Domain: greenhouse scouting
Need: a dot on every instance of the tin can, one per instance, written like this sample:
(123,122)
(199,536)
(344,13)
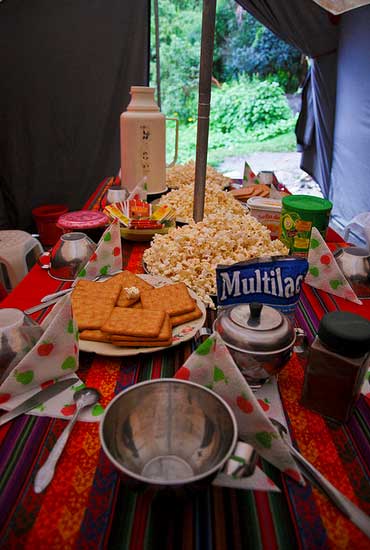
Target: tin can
(299,214)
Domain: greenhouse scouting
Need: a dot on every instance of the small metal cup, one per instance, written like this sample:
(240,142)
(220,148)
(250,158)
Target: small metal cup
(69,255)
(116,194)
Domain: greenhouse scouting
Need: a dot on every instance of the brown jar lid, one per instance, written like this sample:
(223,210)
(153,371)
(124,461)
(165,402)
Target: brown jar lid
(345,333)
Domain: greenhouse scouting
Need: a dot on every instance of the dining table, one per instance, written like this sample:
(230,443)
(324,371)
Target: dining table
(89,506)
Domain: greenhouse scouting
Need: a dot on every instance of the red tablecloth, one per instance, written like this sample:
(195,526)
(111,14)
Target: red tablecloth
(86,505)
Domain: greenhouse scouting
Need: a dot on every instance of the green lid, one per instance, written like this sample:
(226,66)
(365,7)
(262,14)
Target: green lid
(308,203)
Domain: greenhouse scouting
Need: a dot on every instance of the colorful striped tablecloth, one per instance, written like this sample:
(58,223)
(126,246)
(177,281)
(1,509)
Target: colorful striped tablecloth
(87,506)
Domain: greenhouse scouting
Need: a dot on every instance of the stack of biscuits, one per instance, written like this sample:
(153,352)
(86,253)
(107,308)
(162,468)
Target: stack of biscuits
(253,190)
(127,311)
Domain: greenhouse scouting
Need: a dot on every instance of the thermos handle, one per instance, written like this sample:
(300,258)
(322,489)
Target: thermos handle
(176,141)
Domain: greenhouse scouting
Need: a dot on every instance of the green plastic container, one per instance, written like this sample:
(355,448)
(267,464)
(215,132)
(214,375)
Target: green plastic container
(298,215)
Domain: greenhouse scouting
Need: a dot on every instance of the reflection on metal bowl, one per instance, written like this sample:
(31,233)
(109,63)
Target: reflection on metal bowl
(168,433)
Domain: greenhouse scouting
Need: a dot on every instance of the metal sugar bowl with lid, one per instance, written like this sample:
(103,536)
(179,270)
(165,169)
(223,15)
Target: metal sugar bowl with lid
(259,338)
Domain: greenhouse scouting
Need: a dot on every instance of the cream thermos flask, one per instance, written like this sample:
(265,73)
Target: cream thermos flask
(143,142)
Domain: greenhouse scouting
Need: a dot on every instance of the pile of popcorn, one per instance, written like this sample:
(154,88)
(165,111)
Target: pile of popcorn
(191,253)
(216,201)
(184,174)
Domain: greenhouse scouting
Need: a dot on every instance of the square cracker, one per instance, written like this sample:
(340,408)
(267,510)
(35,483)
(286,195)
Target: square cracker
(92,307)
(144,343)
(127,280)
(164,334)
(174,299)
(95,335)
(134,322)
(186,317)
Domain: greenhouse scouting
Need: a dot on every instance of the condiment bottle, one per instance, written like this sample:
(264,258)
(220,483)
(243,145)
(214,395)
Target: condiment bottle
(337,364)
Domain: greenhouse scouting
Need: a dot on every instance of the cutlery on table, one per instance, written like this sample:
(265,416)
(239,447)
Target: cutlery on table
(346,506)
(38,399)
(38,307)
(83,398)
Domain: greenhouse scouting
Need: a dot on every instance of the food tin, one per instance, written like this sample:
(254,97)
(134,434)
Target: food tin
(267,211)
(299,214)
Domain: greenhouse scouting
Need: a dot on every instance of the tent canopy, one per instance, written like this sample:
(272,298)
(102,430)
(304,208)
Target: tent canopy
(65,84)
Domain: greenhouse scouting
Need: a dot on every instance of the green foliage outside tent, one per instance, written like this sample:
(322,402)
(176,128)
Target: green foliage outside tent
(253,71)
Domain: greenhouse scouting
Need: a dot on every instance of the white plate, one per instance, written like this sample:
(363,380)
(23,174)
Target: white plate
(180,334)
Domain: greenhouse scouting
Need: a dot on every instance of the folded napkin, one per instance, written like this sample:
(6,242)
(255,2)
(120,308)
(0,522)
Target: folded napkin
(53,357)
(324,272)
(107,257)
(211,365)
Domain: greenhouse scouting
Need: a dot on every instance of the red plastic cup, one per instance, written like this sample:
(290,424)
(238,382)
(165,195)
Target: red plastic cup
(46,218)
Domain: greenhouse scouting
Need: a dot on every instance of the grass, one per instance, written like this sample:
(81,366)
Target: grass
(222,146)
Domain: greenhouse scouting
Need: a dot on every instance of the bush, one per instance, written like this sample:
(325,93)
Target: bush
(248,103)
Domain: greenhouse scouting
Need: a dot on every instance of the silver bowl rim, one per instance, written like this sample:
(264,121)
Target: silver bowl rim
(179,482)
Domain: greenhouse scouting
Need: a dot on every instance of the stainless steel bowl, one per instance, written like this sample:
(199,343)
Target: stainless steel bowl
(168,433)
(354,262)
(69,255)
(18,334)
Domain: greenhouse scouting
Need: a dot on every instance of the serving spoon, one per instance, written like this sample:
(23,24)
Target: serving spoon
(346,506)
(83,398)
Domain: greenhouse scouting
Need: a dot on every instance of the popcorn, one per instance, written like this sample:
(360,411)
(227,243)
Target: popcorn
(216,201)
(191,253)
(184,174)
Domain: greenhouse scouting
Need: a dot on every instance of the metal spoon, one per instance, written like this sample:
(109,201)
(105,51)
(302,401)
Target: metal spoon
(83,398)
(350,510)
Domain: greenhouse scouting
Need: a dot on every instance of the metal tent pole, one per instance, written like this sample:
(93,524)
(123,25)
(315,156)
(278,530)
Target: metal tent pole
(205,77)
(157,64)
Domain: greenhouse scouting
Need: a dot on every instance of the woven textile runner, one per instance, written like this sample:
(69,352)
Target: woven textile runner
(87,506)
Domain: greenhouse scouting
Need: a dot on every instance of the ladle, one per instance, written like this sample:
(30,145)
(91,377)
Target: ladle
(350,510)
(83,398)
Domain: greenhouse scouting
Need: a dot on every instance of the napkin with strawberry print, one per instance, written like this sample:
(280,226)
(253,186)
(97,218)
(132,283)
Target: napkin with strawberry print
(53,357)
(211,365)
(324,272)
(107,257)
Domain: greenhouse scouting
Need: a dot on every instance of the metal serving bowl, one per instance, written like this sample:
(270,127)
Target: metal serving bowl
(69,255)
(354,262)
(168,433)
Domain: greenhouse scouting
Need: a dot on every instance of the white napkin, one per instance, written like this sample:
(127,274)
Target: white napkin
(107,257)
(211,365)
(324,272)
(53,357)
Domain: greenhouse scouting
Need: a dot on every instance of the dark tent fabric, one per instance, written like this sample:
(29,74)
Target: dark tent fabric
(350,185)
(65,70)
(314,32)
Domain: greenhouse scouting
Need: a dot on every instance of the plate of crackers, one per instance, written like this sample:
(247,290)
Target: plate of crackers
(128,314)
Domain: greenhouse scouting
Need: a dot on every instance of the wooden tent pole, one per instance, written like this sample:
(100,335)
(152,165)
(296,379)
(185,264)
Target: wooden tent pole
(205,78)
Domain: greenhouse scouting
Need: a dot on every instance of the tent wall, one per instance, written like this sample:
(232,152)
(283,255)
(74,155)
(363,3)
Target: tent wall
(65,71)
(350,180)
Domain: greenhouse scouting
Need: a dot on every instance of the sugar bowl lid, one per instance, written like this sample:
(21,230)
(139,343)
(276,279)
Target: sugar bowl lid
(255,327)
